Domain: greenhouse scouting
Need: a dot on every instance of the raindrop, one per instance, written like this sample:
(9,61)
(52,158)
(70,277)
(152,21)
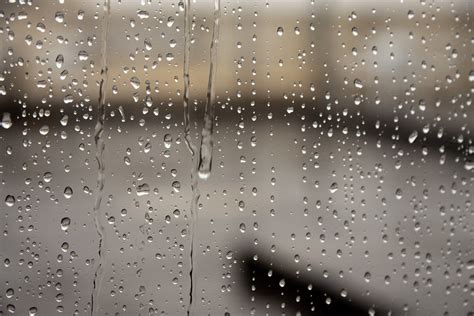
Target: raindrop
(358,84)
(44,130)
(280,31)
(399,194)
(67,192)
(32,311)
(10,200)
(83,55)
(59,61)
(412,137)
(47,177)
(135,82)
(367,277)
(6,120)
(176,186)
(65,222)
(143,189)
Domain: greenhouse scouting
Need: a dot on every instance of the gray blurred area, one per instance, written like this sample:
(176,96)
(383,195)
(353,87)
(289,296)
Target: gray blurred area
(342,166)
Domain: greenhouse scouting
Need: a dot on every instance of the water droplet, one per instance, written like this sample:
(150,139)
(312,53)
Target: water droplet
(358,84)
(143,189)
(399,194)
(65,222)
(41,27)
(59,61)
(282,283)
(469,165)
(148,45)
(412,137)
(64,246)
(68,99)
(470,265)
(59,17)
(280,31)
(6,120)
(176,186)
(135,82)
(44,130)
(10,200)
(47,177)
(367,277)
(167,140)
(83,55)
(64,120)
(32,311)
(11,308)
(142,14)
(68,192)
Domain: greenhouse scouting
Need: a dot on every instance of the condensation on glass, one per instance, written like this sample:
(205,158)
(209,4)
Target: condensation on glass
(223,157)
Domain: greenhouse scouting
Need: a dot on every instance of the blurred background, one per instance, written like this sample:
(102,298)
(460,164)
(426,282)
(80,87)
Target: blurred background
(342,167)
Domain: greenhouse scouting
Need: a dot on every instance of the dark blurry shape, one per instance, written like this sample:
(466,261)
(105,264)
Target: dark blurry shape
(302,295)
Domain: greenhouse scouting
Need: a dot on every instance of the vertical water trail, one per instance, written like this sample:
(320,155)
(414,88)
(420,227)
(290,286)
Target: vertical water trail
(207,131)
(187,51)
(191,147)
(100,146)
(205,155)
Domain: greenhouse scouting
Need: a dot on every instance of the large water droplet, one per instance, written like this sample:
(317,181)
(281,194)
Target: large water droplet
(10,200)
(68,192)
(65,222)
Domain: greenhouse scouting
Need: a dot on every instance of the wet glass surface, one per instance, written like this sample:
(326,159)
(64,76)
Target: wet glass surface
(236,157)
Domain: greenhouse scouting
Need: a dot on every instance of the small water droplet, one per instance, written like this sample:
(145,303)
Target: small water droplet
(280,31)
(358,84)
(59,61)
(412,137)
(367,277)
(399,194)
(282,283)
(135,82)
(65,222)
(176,186)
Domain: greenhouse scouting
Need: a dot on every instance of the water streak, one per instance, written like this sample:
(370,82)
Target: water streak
(100,146)
(201,164)
(191,147)
(187,51)
(207,143)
